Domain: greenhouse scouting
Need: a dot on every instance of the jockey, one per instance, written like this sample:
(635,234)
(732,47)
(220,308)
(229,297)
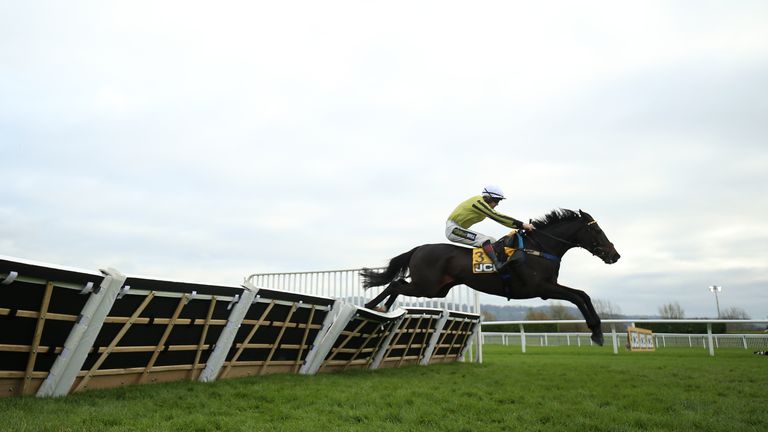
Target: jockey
(474,210)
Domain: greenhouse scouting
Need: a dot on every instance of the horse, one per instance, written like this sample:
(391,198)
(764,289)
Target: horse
(435,268)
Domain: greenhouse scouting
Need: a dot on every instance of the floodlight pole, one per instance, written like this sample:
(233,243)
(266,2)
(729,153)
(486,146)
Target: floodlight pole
(716,289)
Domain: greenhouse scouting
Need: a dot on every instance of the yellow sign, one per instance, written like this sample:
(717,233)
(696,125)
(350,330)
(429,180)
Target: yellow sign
(640,339)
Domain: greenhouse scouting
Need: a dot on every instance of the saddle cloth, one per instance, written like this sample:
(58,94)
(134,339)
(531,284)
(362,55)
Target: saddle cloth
(481,262)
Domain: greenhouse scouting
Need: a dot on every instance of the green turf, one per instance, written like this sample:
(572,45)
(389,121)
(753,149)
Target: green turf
(547,389)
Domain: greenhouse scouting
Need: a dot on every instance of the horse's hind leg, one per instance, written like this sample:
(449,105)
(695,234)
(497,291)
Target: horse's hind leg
(415,289)
(393,290)
(389,291)
(397,288)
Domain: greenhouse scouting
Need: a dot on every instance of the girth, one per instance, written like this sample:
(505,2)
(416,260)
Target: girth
(518,238)
(546,255)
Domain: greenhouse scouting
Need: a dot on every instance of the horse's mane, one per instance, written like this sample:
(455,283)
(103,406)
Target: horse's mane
(555,216)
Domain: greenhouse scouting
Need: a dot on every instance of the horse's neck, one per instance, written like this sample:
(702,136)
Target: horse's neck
(564,231)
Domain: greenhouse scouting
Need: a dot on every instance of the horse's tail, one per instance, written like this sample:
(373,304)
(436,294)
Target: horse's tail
(397,268)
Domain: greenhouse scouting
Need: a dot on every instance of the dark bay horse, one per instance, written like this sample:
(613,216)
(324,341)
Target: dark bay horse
(435,268)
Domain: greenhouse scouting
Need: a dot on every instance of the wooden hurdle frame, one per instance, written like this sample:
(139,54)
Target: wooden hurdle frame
(297,322)
(455,337)
(360,341)
(413,340)
(75,330)
(31,288)
(159,314)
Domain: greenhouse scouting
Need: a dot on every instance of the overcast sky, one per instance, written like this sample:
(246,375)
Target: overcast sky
(206,141)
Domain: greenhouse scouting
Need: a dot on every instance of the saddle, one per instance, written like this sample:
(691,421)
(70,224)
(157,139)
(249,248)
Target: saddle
(508,249)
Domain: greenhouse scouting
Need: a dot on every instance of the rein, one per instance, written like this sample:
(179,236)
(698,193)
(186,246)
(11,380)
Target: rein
(561,240)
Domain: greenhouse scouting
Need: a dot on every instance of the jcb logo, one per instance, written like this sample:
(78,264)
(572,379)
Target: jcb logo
(483,268)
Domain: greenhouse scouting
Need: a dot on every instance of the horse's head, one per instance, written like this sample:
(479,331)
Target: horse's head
(593,239)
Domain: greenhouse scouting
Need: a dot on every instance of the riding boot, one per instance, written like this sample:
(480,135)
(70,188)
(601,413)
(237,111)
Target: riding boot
(505,275)
(491,252)
(499,247)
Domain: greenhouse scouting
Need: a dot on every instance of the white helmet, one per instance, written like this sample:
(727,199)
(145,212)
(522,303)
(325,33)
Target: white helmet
(494,192)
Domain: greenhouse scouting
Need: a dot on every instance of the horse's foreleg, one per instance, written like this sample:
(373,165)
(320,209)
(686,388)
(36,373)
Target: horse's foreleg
(590,307)
(589,313)
(584,303)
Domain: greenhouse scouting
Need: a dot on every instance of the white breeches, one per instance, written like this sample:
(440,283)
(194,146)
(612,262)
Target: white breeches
(461,235)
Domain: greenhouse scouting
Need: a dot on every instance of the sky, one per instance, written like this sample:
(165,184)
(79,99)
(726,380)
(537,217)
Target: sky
(205,141)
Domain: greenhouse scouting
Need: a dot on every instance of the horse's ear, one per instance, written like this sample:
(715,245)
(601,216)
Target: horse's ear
(588,217)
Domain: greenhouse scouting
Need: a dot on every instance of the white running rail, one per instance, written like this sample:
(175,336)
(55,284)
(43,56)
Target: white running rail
(710,341)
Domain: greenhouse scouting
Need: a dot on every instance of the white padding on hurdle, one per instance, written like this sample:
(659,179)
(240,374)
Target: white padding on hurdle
(386,342)
(335,322)
(10,278)
(434,339)
(82,336)
(227,336)
(471,338)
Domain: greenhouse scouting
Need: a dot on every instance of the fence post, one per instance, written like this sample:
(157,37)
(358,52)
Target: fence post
(709,338)
(522,337)
(744,339)
(615,341)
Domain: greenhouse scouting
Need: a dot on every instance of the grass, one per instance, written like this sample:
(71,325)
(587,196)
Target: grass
(547,389)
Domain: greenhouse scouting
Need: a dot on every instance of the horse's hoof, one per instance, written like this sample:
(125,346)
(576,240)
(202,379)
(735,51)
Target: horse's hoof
(597,338)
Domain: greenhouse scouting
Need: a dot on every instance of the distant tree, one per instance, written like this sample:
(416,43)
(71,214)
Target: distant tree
(671,311)
(606,309)
(734,313)
(487,316)
(559,311)
(535,315)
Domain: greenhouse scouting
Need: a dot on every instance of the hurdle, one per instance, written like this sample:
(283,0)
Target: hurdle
(65,330)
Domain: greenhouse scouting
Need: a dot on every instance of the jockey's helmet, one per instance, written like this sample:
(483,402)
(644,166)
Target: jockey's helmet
(493,192)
